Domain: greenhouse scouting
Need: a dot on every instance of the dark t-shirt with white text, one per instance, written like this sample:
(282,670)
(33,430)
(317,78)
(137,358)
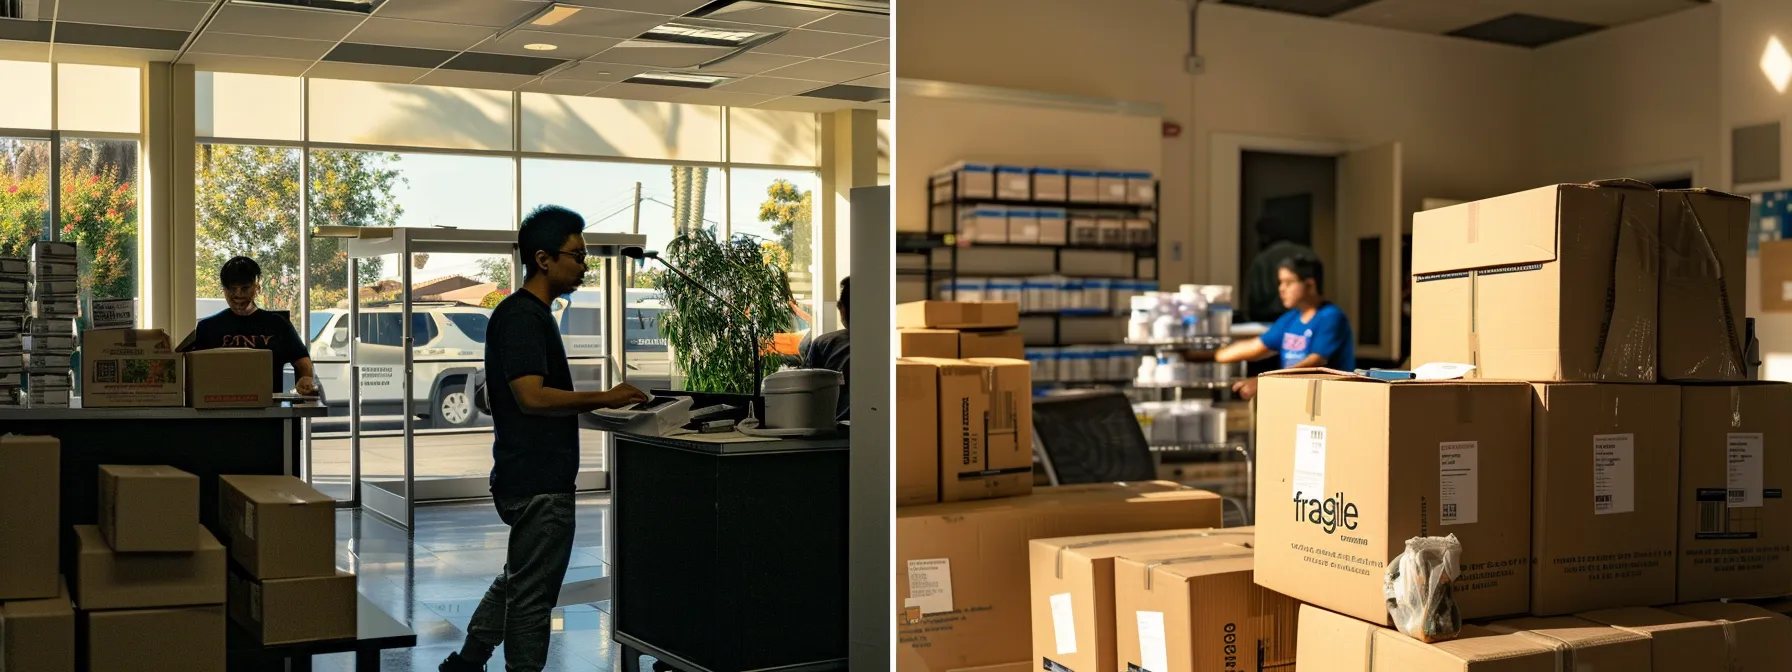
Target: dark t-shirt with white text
(260,330)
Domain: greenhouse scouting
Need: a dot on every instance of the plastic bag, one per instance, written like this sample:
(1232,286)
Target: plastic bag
(1418,589)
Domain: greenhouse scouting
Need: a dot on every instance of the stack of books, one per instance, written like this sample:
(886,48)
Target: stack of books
(55,302)
(15,279)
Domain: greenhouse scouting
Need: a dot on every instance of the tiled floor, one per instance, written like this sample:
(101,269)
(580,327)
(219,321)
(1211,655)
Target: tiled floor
(433,579)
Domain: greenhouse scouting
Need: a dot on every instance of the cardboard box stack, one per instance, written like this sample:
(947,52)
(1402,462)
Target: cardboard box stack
(284,586)
(15,292)
(149,579)
(55,303)
(967,423)
(37,625)
(962,568)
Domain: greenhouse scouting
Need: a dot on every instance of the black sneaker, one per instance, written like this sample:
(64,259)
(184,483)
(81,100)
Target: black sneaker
(455,663)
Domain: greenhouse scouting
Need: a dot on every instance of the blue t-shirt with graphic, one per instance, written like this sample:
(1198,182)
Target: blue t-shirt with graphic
(1327,334)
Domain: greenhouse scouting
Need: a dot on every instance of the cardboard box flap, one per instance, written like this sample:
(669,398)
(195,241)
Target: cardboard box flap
(1706,191)
(145,471)
(1733,612)
(1220,559)
(1503,231)
(1093,546)
(1623,183)
(276,490)
(155,339)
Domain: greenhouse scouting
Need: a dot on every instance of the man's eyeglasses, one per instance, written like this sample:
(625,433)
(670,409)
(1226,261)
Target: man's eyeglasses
(577,255)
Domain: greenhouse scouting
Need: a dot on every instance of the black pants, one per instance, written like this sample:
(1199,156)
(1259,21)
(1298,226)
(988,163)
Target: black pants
(516,609)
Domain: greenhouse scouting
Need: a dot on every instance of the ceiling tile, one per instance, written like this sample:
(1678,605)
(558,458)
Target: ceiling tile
(813,44)
(857,24)
(475,80)
(801,104)
(876,52)
(489,13)
(662,55)
(1525,30)
(829,71)
(753,63)
(564,87)
(420,34)
(850,92)
(770,15)
(25,31)
(283,22)
(1601,12)
(642,92)
(1425,16)
(591,71)
(1321,8)
(81,53)
(375,54)
(606,23)
(774,86)
(212,42)
(245,64)
(475,61)
(365,73)
(664,7)
(882,81)
(13,50)
(570,47)
(119,36)
(162,14)
(714,97)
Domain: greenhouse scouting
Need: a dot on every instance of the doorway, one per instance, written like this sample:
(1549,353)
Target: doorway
(1284,200)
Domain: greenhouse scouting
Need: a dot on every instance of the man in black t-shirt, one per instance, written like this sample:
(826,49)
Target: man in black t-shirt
(833,351)
(535,452)
(242,325)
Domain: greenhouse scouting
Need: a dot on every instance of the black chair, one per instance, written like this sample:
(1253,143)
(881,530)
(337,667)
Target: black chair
(1091,437)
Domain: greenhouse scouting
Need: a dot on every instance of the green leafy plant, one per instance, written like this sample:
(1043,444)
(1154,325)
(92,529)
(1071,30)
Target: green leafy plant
(709,339)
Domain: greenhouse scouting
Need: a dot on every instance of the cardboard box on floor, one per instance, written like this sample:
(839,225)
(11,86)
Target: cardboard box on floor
(189,639)
(935,343)
(1606,461)
(1199,610)
(1678,643)
(38,635)
(961,568)
(286,611)
(1576,261)
(30,492)
(1330,641)
(1735,464)
(985,427)
(1704,286)
(230,378)
(108,579)
(277,526)
(917,433)
(1762,639)
(1072,580)
(130,368)
(958,315)
(148,508)
(1590,645)
(1349,468)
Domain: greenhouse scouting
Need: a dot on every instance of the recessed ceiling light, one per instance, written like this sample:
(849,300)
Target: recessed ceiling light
(539,46)
(554,14)
(685,79)
(688,34)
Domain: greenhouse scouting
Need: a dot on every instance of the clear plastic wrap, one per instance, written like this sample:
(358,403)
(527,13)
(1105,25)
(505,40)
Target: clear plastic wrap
(1418,589)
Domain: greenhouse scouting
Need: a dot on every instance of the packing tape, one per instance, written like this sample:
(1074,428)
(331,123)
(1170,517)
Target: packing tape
(1564,650)
(1735,408)
(1312,402)
(1732,652)
(1473,230)
(1369,660)
(1465,406)
(1189,559)
(1127,540)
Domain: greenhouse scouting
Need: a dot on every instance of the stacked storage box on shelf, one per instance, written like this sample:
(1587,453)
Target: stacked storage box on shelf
(284,586)
(55,303)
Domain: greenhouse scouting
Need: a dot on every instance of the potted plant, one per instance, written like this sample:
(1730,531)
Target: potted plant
(709,340)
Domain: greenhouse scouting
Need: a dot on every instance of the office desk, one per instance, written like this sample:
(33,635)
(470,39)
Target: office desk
(730,556)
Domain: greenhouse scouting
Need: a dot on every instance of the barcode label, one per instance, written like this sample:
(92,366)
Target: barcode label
(1309,462)
(1449,511)
(1712,516)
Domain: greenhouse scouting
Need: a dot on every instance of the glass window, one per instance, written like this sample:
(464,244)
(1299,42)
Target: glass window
(99,98)
(259,107)
(350,189)
(776,208)
(246,203)
(99,214)
(672,198)
(471,324)
(886,139)
(773,137)
(405,115)
(449,190)
(633,129)
(24,200)
(27,95)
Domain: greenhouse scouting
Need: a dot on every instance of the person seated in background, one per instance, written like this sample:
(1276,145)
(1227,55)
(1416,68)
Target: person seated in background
(1313,332)
(243,325)
(833,351)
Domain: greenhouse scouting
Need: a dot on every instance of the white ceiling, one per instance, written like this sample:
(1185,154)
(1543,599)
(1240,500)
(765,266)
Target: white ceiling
(1517,22)
(411,41)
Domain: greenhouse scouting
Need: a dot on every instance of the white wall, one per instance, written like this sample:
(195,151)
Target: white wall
(1748,98)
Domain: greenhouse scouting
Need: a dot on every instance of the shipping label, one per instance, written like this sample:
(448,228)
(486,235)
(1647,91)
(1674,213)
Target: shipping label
(1309,462)
(930,585)
(1614,473)
(1459,482)
(1744,474)
(1063,624)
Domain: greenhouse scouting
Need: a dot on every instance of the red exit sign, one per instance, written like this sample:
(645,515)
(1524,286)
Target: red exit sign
(1172,129)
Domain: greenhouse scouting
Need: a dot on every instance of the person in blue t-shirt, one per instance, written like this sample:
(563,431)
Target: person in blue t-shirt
(1314,332)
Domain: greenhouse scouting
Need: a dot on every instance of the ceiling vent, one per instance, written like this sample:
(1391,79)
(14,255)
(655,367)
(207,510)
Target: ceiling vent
(359,7)
(684,33)
(682,79)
